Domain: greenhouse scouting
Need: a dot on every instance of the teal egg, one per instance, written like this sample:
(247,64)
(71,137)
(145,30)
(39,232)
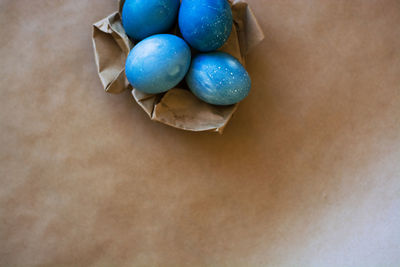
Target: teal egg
(158,63)
(205,24)
(143,18)
(218,78)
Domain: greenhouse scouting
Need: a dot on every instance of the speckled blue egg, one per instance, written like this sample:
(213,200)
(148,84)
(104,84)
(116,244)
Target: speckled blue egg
(143,18)
(218,78)
(158,63)
(205,24)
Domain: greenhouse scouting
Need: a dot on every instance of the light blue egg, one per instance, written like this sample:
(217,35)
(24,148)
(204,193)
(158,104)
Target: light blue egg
(143,18)
(158,63)
(205,24)
(218,78)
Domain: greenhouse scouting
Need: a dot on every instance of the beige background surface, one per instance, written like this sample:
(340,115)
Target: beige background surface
(306,174)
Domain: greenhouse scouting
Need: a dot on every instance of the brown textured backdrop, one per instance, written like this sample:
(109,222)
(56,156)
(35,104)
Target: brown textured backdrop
(306,174)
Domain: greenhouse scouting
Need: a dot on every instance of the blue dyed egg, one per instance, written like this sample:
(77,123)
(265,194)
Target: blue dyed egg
(143,18)
(205,24)
(158,63)
(218,78)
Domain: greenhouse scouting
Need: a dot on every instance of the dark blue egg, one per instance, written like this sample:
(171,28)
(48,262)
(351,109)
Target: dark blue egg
(158,63)
(143,18)
(218,78)
(205,24)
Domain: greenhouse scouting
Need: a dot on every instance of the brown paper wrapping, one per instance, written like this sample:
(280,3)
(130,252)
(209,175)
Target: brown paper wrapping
(178,107)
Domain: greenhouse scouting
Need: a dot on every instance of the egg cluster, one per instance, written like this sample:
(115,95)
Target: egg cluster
(161,61)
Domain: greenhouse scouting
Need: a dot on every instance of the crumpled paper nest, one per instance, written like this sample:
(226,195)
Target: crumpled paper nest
(178,107)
